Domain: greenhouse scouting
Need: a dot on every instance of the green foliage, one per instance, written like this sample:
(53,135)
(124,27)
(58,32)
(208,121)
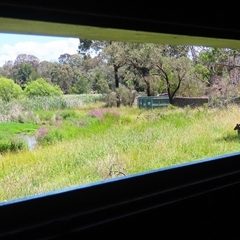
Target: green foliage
(175,51)
(12,144)
(41,88)
(203,72)
(122,96)
(125,95)
(68,114)
(16,128)
(100,85)
(81,85)
(111,99)
(171,107)
(9,90)
(52,136)
(84,46)
(63,75)
(86,152)
(214,55)
(123,138)
(25,74)
(69,125)
(192,88)
(23,117)
(23,108)
(215,62)
(9,136)
(44,103)
(145,67)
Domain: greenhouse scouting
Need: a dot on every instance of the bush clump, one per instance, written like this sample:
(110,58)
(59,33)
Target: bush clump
(41,88)
(122,96)
(9,90)
(12,144)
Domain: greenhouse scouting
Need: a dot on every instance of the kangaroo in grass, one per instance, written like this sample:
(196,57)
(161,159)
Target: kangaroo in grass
(237,127)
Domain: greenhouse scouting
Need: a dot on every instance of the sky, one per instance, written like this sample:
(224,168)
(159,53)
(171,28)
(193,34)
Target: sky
(43,47)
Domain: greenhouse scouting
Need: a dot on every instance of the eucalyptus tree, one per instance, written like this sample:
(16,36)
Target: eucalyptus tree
(7,69)
(108,53)
(45,70)
(115,55)
(88,46)
(173,71)
(27,58)
(24,74)
(168,65)
(162,68)
(74,60)
(219,68)
(81,84)
(62,75)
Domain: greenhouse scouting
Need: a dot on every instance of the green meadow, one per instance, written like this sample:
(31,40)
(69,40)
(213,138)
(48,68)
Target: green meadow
(90,143)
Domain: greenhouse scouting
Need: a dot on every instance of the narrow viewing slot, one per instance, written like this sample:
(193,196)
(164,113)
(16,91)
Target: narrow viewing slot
(77,111)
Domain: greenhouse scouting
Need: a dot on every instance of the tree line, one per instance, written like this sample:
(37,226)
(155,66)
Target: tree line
(120,69)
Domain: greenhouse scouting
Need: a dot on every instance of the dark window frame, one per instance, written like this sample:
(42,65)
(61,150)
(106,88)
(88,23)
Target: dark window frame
(192,201)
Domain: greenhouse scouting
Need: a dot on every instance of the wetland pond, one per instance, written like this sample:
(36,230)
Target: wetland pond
(30,140)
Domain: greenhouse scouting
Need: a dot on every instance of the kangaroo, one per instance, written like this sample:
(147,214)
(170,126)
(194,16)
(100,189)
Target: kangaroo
(237,127)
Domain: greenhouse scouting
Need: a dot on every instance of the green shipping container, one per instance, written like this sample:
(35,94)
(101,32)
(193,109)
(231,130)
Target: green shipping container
(152,102)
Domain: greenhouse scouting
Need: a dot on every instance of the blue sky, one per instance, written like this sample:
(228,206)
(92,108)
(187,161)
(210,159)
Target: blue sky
(43,47)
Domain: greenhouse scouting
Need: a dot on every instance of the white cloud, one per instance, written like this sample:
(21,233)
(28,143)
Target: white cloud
(49,51)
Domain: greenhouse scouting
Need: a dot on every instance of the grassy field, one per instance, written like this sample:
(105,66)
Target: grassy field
(90,144)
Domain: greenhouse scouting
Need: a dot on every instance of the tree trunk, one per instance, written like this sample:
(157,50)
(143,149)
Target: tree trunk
(170,96)
(170,99)
(148,86)
(116,67)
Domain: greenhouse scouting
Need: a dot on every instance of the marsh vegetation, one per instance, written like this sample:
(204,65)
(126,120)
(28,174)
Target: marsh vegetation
(91,143)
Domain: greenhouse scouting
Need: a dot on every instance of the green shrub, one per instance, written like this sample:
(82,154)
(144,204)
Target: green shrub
(12,144)
(4,145)
(23,117)
(41,88)
(111,99)
(126,96)
(9,90)
(122,96)
(81,85)
(17,145)
(68,114)
(52,136)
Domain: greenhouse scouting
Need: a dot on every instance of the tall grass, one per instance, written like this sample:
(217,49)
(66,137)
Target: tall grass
(10,111)
(74,100)
(132,141)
